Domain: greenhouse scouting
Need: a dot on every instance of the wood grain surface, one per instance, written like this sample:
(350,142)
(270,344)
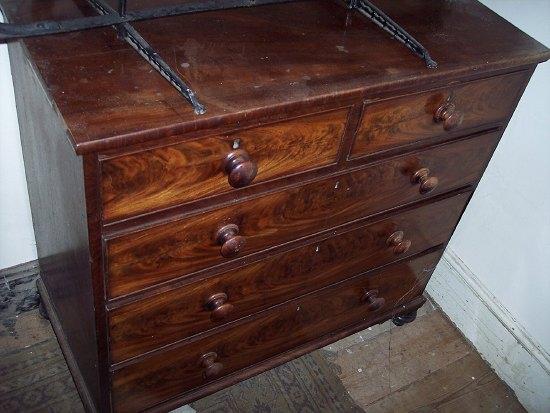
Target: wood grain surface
(167,374)
(145,258)
(156,218)
(170,316)
(163,177)
(56,183)
(392,123)
(360,373)
(425,366)
(256,63)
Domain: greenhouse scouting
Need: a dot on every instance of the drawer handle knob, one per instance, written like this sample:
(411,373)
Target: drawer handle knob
(449,116)
(399,243)
(212,369)
(374,303)
(230,240)
(240,168)
(427,183)
(217,303)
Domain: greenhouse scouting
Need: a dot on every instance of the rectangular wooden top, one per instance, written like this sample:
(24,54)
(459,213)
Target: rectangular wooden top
(254,63)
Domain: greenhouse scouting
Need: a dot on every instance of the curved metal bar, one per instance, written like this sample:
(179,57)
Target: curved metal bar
(387,24)
(134,39)
(121,20)
(15,31)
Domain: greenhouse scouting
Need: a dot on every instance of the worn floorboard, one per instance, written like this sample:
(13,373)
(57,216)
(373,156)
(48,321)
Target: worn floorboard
(426,366)
(465,385)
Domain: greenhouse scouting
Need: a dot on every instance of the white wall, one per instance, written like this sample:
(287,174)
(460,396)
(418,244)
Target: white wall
(17,243)
(494,279)
(504,236)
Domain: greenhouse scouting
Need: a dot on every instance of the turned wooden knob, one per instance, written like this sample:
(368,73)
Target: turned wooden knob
(399,243)
(230,240)
(212,369)
(427,183)
(240,168)
(374,303)
(218,305)
(449,115)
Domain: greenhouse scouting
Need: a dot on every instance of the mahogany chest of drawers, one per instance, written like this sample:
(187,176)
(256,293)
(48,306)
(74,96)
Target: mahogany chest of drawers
(182,253)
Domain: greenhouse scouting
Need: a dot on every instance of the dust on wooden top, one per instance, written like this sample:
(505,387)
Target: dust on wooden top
(244,64)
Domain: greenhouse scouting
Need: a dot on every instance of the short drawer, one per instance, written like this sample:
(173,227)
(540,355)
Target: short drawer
(167,374)
(393,123)
(171,316)
(146,257)
(163,177)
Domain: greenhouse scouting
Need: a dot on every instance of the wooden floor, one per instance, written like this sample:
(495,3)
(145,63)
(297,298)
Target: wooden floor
(426,366)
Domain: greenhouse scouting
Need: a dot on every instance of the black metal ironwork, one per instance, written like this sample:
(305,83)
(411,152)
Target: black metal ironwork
(134,39)
(122,8)
(121,19)
(12,31)
(386,23)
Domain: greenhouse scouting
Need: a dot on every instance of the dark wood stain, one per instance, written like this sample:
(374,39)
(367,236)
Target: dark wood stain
(59,218)
(166,375)
(239,239)
(242,74)
(158,254)
(397,122)
(167,176)
(323,381)
(145,325)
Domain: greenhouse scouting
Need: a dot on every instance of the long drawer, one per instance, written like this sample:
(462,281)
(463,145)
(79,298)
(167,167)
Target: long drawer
(144,258)
(397,122)
(159,178)
(167,374)
(170,316)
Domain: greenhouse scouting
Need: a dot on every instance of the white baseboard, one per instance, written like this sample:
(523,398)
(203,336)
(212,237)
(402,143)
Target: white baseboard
(517,359)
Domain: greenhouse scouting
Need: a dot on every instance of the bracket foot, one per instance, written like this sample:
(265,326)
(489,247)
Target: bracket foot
(401,320)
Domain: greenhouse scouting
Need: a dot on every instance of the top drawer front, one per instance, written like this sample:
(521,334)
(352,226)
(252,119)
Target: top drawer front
(144,258)
(398,122)
(163,177)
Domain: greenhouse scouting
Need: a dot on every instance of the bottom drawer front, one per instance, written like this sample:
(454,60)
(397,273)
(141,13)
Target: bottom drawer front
(171,373)
(173,315)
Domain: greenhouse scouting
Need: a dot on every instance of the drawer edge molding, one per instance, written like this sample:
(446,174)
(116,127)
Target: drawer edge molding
(158,178)
(267,311)
(155,254)
(170,215)
(204,274)
(436,114)
(172,372)
(206,304)
(282,358)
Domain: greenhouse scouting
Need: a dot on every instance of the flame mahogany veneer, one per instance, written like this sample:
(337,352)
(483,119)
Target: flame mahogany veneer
(173,315)
(182,246)
(180,253)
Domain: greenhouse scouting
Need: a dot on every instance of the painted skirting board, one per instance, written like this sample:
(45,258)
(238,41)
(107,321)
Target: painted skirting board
(518,360)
